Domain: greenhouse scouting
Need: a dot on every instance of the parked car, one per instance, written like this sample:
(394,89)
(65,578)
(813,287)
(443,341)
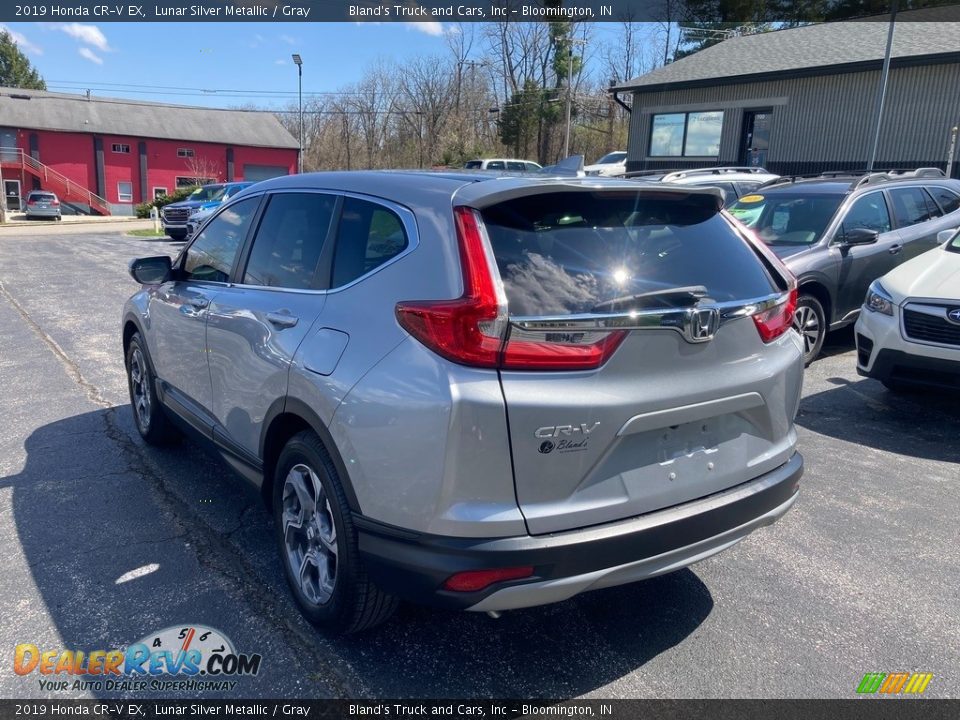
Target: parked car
(610,165)
(735,182)
(909,330)
(479,392)
(511,165)
(175,215)
(42,204)
(198,216)
(839,233)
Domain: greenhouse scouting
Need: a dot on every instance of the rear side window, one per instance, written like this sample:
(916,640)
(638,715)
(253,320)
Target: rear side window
(577,252)
(912,205)
(368,235)
(495,165)
(516,166)
(287,248)
(212,254)
(473,165)
(946,199)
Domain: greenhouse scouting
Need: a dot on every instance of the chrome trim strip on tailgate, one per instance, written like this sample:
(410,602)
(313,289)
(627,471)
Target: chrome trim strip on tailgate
(690,413)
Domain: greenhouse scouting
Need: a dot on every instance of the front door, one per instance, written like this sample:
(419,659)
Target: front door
(755,140)
(11,191)
(179,309)
(860,265)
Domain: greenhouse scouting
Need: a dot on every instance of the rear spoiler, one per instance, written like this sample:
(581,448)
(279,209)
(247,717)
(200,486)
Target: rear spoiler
(568,167)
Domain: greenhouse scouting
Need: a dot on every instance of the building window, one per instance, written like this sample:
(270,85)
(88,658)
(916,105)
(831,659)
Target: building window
(184,152)
(694,134)
(121,148)
(124,192)
(159,192)
(185,182)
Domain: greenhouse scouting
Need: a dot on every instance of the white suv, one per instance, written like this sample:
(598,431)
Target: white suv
(909,330)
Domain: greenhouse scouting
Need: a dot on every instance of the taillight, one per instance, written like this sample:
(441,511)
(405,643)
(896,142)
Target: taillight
(31,202)
(474,580)
(774,322)
(55,202)
(470,329)
(474,328)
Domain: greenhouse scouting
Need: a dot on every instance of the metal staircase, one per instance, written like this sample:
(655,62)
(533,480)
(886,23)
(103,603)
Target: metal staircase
(69,191)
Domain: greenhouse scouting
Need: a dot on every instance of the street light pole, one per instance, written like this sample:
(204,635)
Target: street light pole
(299,63)
(884,75)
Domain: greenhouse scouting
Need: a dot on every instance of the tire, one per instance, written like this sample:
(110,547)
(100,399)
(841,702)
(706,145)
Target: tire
(347,602)
(810,321)
(176,235)
(152,423)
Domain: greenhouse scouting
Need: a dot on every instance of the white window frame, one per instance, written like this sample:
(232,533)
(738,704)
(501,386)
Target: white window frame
(159,187)
(122,196)
(121,147)
(185,152)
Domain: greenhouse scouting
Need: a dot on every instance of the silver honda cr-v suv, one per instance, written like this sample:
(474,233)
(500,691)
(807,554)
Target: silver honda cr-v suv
(482,392)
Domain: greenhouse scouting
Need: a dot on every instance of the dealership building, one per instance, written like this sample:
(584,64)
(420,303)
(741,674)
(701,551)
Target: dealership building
(105,155)
(803,100)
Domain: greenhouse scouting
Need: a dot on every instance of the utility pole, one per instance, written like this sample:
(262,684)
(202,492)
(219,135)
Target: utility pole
(566,139)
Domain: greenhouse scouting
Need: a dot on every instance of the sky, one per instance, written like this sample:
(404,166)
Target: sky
(140,60)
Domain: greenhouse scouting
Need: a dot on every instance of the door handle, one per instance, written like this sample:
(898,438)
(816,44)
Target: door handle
(895,249)
(282,319)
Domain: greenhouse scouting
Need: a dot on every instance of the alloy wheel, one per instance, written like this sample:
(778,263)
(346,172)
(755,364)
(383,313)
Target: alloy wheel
(140,386)
(806,323)
(309,534)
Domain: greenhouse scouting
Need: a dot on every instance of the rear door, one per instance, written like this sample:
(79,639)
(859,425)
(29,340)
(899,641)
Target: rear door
(917,217)
(256,325)
(685,400)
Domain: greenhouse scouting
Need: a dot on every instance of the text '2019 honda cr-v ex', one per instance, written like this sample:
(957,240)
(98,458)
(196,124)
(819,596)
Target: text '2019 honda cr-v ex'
(481,392)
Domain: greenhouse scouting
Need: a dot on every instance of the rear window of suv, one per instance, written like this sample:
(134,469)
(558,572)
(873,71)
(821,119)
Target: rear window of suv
(579,252)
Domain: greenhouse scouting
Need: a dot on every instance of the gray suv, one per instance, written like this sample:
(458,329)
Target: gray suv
(475,391)
(839,232)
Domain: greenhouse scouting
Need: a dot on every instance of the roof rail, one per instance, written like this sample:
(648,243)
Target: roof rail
(883,176)
(720,170)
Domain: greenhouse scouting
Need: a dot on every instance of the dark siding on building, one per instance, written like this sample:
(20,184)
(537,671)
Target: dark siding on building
(820,123)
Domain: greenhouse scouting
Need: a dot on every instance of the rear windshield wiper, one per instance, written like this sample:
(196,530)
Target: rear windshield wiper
(670,297)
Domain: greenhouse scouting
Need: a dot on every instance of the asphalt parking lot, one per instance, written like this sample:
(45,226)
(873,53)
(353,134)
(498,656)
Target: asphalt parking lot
(863,575)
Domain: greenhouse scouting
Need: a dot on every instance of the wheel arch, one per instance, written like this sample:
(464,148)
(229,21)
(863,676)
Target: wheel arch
(285,418)
(817,288)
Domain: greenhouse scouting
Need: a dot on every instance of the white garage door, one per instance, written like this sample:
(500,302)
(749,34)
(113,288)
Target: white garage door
(256,173)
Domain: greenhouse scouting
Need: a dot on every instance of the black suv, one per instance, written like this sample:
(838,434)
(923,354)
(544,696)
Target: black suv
(838,232)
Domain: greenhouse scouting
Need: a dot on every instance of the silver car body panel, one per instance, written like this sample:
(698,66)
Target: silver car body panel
(432,446)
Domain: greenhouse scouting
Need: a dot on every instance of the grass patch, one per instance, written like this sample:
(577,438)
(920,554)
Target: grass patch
(148,233)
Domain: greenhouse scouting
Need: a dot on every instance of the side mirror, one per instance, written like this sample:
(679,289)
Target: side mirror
(945,236)
(151,270)
(860,236)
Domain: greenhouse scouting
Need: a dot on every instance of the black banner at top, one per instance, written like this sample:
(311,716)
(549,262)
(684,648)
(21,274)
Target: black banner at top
(731,12)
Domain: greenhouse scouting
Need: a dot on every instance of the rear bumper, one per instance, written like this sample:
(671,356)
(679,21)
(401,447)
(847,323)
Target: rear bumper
(414,566)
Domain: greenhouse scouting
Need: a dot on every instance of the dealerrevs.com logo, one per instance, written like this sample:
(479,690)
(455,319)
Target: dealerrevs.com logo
(898,683)
(186,657)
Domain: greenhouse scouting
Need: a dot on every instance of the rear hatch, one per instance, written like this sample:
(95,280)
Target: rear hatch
(647,360)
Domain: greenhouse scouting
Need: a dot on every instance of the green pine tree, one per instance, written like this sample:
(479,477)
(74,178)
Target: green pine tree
(15,68)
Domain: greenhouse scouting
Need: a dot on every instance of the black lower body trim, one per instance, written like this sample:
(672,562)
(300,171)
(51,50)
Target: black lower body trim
(414,565)
(898,366)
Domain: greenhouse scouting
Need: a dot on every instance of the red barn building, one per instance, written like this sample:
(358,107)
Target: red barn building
(105,155)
